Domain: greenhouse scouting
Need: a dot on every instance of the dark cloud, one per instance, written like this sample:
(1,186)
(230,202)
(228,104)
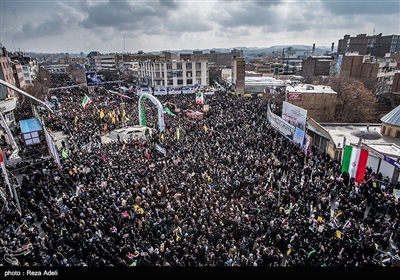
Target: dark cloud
(267,3)
(50,27)
(362,7)
(245,14)
(125,15)
(169,4)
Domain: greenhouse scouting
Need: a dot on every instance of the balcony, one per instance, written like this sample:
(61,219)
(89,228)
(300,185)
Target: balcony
(8,104)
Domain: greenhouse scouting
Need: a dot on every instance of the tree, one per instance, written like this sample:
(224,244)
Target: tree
(40,85)
(77,75)
(355,103)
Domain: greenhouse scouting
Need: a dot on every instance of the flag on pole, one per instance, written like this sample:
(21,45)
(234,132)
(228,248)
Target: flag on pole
(177,133)
(354,162)
(86,101)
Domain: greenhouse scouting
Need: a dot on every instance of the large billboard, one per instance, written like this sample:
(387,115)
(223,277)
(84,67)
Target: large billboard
(294,115)
(91,78)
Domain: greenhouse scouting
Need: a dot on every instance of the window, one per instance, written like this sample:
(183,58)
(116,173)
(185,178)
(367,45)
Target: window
(169,66)
(179,66)
(188,65)
(179,74)
(188,74)
(198,73)
(189,82)
(180,82)
(31,138)
(198,65)
(198,81)
(170,82)
(9,117)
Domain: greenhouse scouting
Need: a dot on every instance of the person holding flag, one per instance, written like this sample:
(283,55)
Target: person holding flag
(86,102)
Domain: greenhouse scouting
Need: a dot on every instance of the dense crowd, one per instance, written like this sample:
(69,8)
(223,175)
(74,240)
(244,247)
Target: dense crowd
(230,191)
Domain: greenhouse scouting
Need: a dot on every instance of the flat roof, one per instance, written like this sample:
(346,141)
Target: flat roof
(370,134)
(311,89)
(30,125)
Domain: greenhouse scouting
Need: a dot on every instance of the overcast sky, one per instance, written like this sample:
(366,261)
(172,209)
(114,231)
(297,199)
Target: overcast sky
(154,25)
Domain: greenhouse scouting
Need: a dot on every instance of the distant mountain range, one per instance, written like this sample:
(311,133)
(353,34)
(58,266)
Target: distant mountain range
(300,50)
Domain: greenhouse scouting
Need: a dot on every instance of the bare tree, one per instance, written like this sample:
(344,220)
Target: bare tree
(77,75)
(40,85)
(355,103)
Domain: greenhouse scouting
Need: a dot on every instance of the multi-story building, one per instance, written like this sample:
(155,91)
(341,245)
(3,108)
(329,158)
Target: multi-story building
(364,67)
(8,99)
(319,101)
(219,59)
(270,68)
(238,74)
(27,71)
(375,45)
(174,73)
(18,75)
(317,65)
(72,60)
(105,62)
(6,74)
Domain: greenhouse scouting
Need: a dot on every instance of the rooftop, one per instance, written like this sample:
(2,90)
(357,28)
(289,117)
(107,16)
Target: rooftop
(393,117)
(370,134)
(308,88)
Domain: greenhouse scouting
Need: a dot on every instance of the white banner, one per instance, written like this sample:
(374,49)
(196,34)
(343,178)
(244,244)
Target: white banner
(294,115)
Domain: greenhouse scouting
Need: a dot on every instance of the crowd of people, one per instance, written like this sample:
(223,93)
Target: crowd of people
(229,191)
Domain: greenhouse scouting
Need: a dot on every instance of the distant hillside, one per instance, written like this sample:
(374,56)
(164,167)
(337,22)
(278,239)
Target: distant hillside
(300,49)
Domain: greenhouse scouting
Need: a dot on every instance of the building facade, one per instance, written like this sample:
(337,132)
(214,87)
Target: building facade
(238,74)
(319,101)
(173,73)
(317,65)
(364,67)
(376,45)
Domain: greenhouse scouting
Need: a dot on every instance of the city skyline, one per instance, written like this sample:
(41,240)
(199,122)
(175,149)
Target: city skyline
(117,26)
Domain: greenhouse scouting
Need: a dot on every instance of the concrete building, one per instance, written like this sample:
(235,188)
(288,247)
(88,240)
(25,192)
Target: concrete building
(317,65)
(319,101)
(364,67)
(238,74)
(6,74)
(8,99)
(174,73)
(219,59)
(376,45)
(18,75)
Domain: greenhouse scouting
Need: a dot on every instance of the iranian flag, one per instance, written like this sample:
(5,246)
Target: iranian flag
(199,98)
(355,162)
(86,101)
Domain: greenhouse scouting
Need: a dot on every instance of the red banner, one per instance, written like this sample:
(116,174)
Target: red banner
(294,96)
